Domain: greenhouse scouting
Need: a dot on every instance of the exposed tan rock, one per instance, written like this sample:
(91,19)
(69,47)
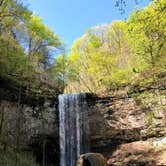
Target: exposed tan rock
(139,153)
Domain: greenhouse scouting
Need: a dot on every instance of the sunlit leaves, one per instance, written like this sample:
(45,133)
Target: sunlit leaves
(27,46)
(110,56)
(148,32)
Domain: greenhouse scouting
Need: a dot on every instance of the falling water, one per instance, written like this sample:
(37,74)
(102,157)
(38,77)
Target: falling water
(74,130)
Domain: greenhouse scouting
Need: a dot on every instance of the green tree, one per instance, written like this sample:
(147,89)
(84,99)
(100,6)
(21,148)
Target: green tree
(27,46)
(102,57)
(148,33)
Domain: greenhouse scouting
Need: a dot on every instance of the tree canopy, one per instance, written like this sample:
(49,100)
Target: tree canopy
(115,55)
(105,57)
(27,48)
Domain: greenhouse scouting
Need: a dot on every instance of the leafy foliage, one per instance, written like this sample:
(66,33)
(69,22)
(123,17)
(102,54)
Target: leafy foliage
(27,48)
(147,29)
(105,57)
(110,56)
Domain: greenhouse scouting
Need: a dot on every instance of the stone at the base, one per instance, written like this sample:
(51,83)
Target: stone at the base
(91,159)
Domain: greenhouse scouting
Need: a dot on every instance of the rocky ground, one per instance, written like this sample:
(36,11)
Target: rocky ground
(140,153)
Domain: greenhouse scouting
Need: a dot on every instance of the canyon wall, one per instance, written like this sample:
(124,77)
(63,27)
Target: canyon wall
(128,127)
(27,128)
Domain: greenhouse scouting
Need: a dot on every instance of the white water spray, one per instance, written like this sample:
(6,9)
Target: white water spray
(74,128)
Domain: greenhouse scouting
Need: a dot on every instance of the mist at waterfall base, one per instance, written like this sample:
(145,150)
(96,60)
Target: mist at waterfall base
(74,128)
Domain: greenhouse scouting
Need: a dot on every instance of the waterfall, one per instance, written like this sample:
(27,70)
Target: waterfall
(74,128)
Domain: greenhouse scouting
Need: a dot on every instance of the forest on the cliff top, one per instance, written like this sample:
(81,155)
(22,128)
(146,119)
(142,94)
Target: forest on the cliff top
(106,57)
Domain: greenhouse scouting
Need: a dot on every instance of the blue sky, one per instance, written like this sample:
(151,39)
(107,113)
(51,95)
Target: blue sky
(70,19)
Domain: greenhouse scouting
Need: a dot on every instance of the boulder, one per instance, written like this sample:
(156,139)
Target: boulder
(91,159)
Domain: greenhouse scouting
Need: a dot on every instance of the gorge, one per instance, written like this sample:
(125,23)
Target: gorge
(105,95)
(125,129)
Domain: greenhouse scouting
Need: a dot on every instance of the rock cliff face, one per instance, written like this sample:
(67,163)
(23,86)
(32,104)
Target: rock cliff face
(127,127)
(31,129)
(124,127)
